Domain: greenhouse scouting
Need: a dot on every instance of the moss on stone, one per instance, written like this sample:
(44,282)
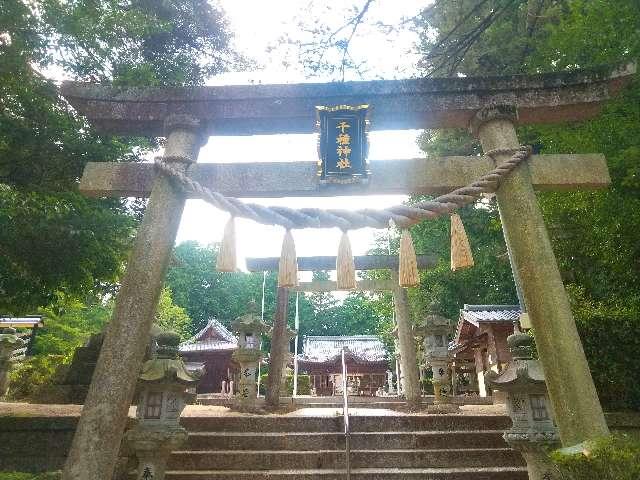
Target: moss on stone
(616,457)
(30,476)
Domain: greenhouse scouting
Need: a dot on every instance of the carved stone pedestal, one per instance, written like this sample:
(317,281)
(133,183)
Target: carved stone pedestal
(539,466)
(152,446)
(248,359)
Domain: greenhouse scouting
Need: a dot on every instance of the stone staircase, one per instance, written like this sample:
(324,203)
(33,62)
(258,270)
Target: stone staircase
(395,447)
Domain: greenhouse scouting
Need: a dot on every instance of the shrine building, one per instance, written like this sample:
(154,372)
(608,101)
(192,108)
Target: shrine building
(365,357)
(213,347)
(480,344)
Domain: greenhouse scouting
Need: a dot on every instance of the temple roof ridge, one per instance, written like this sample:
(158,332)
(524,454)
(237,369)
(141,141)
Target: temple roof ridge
(342,337)
(475,308)
(226,340)
(327,348)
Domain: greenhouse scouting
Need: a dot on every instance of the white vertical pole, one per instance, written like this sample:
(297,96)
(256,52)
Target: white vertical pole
(264,282)
(295,349)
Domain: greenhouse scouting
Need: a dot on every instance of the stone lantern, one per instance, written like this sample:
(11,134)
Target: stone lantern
(162,395)
(249,328)
(435,330)
(533,428)
(9,342)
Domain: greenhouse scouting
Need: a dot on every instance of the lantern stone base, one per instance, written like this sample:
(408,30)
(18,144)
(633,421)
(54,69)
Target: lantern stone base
(152,446)
(442,401)
(245,400)
(539,466)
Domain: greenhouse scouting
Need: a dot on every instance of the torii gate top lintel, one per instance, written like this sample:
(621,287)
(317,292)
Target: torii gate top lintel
(396,104)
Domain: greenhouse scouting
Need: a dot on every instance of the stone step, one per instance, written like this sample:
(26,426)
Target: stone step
(360,423)
(334,459)
(475,473)
(335,440)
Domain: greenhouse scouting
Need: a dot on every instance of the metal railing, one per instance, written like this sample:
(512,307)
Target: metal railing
(345,414)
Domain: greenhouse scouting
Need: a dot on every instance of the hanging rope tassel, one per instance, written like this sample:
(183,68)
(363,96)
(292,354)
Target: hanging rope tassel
(288,266)
(408,265)
(227,258)
(461,256)
(345,268)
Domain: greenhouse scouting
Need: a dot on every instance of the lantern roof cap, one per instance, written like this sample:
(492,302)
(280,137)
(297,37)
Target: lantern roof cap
(166,366)
(523,371)
(250,321)
(520,346)
(433,324)
(160,370)
(8,336)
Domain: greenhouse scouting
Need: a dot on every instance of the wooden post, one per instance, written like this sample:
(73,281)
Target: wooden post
(479,373)
(278,340)
(571,389)
(98,436)
(407,345)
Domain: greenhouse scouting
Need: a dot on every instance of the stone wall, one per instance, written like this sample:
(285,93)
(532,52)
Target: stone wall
(35,444)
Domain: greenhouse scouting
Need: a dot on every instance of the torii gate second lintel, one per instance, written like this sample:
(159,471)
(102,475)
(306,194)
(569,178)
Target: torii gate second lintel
(183,115)
(321,262)
(406,342)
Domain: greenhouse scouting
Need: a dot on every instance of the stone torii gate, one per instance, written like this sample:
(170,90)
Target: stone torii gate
(411,383)
(185,116)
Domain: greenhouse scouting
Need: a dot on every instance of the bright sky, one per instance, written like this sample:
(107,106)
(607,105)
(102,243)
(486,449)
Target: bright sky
(258,24)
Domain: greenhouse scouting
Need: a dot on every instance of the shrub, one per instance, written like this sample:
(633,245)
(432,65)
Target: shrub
(304,384)
(611,458)
(610,348)
(29,376)
(30,476)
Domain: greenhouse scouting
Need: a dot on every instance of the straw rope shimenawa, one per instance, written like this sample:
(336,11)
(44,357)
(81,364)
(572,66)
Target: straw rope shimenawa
(402,216)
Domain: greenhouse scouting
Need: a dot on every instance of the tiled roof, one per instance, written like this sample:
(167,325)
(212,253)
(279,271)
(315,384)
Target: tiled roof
(472,315)
(29,321)
(490,313)
(201,341)
(319,349)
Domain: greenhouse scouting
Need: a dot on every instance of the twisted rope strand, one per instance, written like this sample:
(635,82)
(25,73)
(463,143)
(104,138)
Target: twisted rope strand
(402,215)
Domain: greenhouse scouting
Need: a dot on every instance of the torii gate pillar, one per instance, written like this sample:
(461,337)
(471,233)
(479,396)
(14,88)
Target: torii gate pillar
(406,342)
(573,395)
(97,439)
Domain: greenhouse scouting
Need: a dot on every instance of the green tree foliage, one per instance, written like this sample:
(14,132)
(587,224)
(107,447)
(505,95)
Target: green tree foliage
(68,326)
(355,315)
(170,316)
(594,234)
(490,280)
(54,241)
(206,293)
(57,243)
